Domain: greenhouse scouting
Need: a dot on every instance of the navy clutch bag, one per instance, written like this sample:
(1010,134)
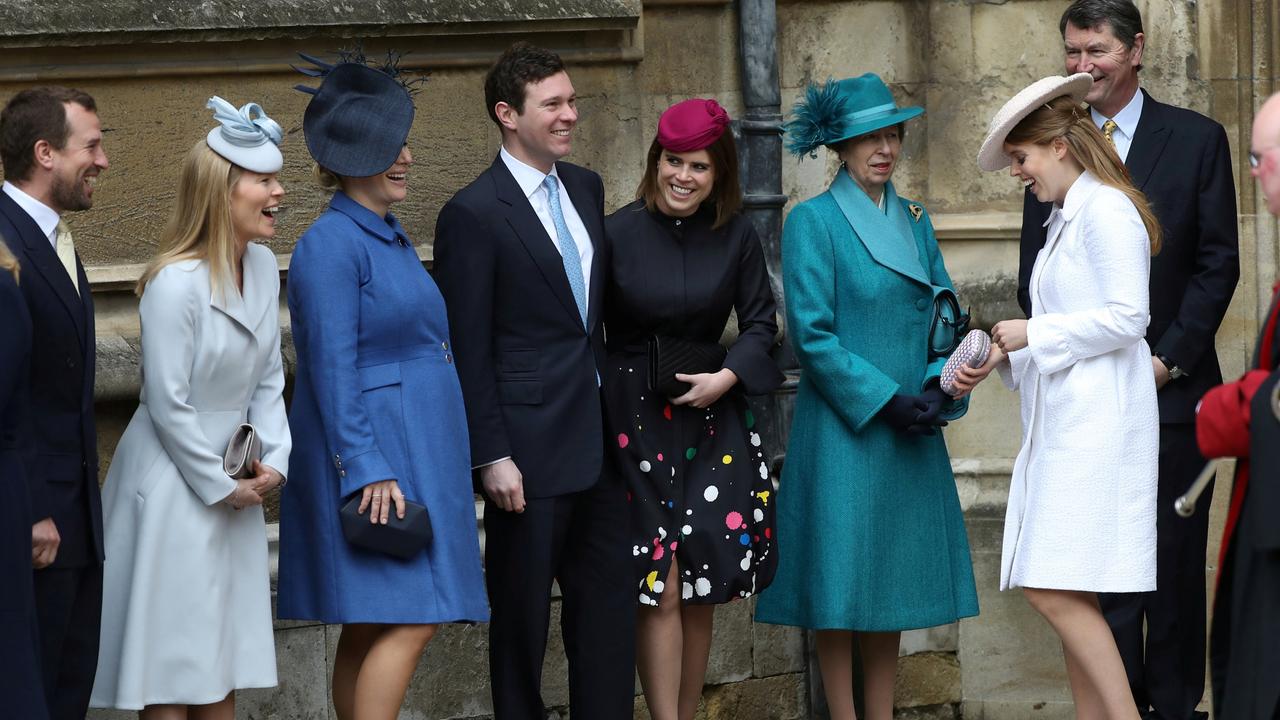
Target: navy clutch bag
(402,538)
(670,355)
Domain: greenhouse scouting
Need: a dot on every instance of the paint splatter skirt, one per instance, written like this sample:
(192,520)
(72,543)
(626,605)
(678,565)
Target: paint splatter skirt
(698,489)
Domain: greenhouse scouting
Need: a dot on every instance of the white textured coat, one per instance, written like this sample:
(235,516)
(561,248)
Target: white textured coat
(186,614)
(1082,500)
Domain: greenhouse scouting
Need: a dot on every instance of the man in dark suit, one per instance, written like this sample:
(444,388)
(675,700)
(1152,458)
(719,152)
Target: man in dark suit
(519,256)
(51,147)
(1181,161)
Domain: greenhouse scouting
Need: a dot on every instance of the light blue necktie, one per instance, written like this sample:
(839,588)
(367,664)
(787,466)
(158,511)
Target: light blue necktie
(568,248)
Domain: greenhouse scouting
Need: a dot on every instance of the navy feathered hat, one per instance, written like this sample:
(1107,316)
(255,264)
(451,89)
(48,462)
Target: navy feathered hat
(840,109)
(359,117)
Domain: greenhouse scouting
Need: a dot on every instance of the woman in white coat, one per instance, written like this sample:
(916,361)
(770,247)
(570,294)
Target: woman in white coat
(1081,514)
(186,617)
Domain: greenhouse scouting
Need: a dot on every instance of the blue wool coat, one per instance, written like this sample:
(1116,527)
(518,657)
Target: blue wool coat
(376,398)
(870,532)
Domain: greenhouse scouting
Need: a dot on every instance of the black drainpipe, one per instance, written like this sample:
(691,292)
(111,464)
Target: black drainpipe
(760,157)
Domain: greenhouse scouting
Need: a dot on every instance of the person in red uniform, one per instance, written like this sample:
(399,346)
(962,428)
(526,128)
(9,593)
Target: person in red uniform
(1241,419)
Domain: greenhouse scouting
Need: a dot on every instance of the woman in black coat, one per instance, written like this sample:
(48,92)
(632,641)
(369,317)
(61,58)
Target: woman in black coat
(683,258)
(20,684)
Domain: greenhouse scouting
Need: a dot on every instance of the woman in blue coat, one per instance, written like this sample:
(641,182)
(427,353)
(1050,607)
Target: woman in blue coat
(871,536)
(377,410)
(20,683)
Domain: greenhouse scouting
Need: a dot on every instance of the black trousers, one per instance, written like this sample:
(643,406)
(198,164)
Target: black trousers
(1166,673)
(69,608)
(579,540)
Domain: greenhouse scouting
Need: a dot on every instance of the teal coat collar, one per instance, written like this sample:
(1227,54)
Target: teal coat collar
(887,235)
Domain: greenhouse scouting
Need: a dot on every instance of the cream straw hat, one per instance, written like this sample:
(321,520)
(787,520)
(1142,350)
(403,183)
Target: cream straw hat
(992,155)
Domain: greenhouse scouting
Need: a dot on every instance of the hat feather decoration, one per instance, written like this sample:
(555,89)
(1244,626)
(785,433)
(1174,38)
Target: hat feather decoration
(389,66)
(814,118)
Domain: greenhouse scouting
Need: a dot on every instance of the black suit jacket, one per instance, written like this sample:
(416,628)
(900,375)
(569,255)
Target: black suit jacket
(62,456)
(528,367)
(1180,160)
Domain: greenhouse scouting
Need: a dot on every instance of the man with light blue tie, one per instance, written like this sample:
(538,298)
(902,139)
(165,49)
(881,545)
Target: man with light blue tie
(519,256)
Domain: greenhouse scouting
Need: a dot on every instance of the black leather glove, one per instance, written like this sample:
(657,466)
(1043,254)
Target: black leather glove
(902,413)
(935,399)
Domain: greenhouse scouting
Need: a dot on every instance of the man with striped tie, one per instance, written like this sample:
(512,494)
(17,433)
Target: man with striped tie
(51,147)
(1181,161)
(520,256)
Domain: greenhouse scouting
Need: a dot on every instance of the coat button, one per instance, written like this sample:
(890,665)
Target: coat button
(342,473)
(70,363)
(921,304)
(444,345)
(448,358)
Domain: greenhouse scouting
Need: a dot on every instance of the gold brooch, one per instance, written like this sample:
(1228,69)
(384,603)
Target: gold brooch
(916,211)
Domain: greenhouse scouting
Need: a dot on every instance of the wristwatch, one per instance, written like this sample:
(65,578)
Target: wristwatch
(1175,372)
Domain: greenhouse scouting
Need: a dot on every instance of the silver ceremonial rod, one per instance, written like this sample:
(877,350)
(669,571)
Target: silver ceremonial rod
(1185,506)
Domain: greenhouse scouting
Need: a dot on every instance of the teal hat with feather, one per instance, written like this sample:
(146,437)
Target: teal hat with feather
(840,109)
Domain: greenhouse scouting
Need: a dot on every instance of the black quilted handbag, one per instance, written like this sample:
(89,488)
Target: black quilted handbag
(671,355)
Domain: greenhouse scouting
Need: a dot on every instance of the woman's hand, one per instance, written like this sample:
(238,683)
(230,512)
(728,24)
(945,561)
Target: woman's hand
(265,478)
(244,495)
(377,499)
(707,387)
(1010,335)
(967,378)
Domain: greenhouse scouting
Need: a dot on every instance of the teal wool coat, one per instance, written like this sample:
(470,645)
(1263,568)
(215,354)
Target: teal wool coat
(870,532)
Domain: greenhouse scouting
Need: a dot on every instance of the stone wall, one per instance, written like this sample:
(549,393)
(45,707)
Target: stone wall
(152,64)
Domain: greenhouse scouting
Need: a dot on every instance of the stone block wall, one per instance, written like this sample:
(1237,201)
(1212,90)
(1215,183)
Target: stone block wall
(151,66)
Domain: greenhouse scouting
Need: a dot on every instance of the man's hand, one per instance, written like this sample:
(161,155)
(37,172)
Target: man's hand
(1162,372)
(44,543)
(504,485)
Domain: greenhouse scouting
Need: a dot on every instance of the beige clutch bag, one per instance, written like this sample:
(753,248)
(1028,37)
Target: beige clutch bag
(243,450)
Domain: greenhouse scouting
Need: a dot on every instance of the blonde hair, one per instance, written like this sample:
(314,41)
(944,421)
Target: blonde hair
(325,178)
(201,226)
(8,263)
(1066,119)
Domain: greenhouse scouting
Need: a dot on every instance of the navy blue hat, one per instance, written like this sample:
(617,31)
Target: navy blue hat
(357,120)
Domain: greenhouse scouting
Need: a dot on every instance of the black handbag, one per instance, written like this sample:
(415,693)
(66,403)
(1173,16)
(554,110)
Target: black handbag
(949,324)
(670,355)
(402,538)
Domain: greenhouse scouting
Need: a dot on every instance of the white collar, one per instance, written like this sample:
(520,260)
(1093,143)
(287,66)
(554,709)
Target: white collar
(1079,192)
(1127,118)
(529,178)
(45,217)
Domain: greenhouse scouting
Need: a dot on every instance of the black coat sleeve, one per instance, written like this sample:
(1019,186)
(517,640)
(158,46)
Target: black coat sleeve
(465,270)
(1217,259)
(757,320)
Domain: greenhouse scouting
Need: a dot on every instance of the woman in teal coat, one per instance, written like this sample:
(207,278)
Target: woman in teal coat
(871,536)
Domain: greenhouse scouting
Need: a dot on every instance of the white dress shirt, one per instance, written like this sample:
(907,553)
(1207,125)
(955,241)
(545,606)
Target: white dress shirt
(1126,124)
(45,217)
(530,181)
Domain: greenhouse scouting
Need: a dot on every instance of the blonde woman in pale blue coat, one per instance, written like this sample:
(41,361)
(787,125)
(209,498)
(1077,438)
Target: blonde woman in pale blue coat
(186,616)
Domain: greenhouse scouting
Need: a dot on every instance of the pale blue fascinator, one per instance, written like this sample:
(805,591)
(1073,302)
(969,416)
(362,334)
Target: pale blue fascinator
(246,137)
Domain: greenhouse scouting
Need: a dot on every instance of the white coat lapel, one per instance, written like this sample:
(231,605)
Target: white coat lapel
(887,237)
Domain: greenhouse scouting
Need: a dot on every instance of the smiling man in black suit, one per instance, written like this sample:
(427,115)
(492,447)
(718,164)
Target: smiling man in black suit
(1181,161)
(51,147)
(520,258)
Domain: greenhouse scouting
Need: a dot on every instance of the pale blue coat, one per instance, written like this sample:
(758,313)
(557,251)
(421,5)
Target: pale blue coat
(870,532)
(376,398)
